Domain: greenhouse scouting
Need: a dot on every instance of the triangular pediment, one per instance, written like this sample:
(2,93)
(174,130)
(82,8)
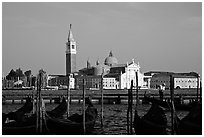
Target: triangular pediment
(133,65)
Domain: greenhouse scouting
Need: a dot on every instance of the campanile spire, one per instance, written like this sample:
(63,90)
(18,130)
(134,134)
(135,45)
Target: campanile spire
(70,53)
(70,36)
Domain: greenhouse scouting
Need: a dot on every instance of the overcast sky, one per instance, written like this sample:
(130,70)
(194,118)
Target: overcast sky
(160,36)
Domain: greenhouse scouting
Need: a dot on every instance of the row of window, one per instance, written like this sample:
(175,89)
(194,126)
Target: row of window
(160,81)
(186,86)
(176,81)
(187,81)
(73,47)
(89,80)
(107,85)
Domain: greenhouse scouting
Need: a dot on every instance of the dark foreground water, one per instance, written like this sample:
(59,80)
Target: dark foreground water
(115,116)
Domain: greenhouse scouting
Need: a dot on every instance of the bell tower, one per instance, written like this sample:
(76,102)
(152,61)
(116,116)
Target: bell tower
(70,53)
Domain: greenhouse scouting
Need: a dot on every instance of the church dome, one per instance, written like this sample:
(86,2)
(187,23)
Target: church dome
(111,60)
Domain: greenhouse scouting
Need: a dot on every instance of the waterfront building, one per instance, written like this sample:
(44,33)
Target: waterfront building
(110,83)
(61,81)
(94,82)
(181,80)
(90,82)
(148,76)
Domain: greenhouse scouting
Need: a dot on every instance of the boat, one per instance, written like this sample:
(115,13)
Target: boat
(4,117)
(27,127)
(154,122)
(19,114)
(60,110)
(73,125)
(28,124)
(190,124)
(168,105)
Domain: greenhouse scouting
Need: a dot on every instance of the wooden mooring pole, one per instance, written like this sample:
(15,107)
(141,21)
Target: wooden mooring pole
(137,89)
(129,111)
(37,108)
(200,91)
(40,104)
(131,103)
(197,87)
(68,95)
(102,100)
(172,102)
(84,108)
(34,106)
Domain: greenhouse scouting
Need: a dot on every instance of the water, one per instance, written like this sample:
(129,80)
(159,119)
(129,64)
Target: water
(115,120)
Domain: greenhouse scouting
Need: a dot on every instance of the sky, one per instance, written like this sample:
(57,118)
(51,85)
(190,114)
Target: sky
(160,36)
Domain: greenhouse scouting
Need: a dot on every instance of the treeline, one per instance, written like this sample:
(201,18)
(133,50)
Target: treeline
(24,78)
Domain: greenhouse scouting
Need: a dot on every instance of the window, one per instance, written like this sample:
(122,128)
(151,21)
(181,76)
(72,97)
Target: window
(72,46)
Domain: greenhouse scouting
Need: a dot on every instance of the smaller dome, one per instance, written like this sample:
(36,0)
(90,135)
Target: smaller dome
(111,60)
(98,70)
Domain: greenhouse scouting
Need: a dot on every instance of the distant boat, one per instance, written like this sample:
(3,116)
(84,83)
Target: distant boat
(152,123)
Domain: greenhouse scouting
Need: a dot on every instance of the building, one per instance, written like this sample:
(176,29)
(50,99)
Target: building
(115,76)
(148,77)
(60,81)
(94,82)
(181,80)
(129,73)
(71,50)
(110,83)
(90,82)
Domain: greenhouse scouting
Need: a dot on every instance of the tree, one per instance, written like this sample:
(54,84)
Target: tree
(27,73)
(28,77)
(19,73)
(11,75)
(43,78)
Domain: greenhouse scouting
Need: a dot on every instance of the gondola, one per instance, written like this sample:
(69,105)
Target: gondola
(60,110)
(152,123)
(18,114)
(190,124)
(27,127)
(28,124)
(168,106)
(74,124)
(4,117)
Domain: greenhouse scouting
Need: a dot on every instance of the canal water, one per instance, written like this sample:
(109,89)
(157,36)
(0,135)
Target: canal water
(115,119)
